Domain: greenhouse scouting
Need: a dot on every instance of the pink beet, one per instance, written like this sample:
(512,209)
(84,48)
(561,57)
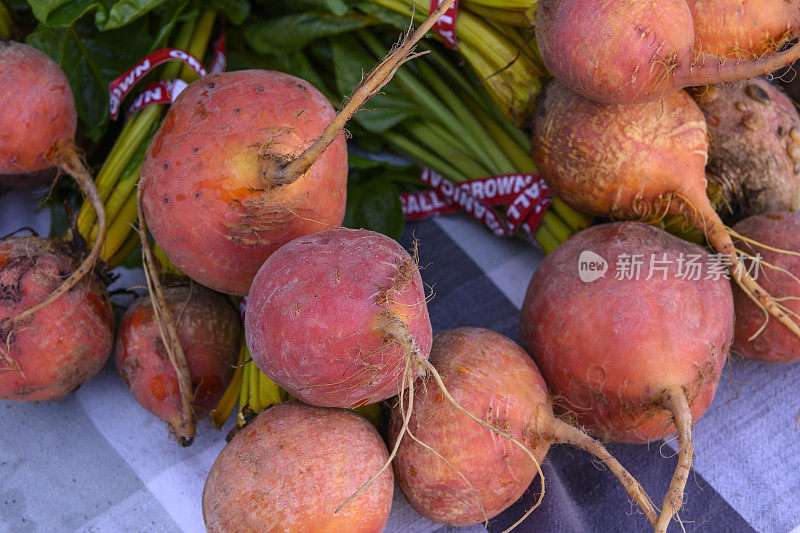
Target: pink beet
(334,318)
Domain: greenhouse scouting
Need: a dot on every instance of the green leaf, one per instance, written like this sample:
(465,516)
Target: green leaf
(236,10)
(337,7)
(91,60)
(108,14)
(293,32)
(377,207)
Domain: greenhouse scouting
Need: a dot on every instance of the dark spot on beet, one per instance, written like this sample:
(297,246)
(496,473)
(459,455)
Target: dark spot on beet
(260,89)
(166,200)
(196,149)
(757,93)
(237,110)
(781,131)
(197,195)
(212,85)
(298,85)
(166,166)
(27,389)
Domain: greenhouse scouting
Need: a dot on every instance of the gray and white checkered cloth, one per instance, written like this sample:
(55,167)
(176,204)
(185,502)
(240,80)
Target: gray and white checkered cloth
(97,461)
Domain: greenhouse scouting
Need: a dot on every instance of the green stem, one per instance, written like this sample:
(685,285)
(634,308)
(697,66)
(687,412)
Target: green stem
(131,244)
(119,157)
(522,161)
(120,229)
(576,220)
(434,137)
(556,226)
(502,164)
(201,37)
(546,239)
(510,16)
(423,156)
(506,4)
(5,22)
(424,97)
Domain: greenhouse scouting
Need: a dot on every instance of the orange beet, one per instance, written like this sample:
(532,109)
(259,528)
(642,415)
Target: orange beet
(209,331)
(466,473)
(630,51)
(207,191)
(37,110)
(744,28)
(291,467)
(60,346)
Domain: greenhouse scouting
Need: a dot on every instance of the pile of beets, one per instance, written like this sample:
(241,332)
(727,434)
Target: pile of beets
(243,188)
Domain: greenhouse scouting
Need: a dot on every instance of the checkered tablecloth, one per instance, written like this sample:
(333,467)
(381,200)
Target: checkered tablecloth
(97,461)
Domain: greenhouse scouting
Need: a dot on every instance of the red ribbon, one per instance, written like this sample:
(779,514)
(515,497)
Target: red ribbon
(526,197)
(445,27)
(165,91)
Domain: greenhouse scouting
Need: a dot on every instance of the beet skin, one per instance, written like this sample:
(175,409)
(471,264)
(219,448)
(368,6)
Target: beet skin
(774,344)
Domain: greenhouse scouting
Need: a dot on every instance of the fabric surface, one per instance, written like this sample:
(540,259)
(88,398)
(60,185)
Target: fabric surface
(97,461)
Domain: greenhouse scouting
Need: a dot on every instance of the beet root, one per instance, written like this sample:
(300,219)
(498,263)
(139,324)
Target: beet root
(338,318)
(630,349)
(754,153)
(208,328)
(636,162)
(290,468)
(39,120)
(38,111)
(60,346)
(457,472)
(754,337)
(206,192)
(629,51)
(744,28)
